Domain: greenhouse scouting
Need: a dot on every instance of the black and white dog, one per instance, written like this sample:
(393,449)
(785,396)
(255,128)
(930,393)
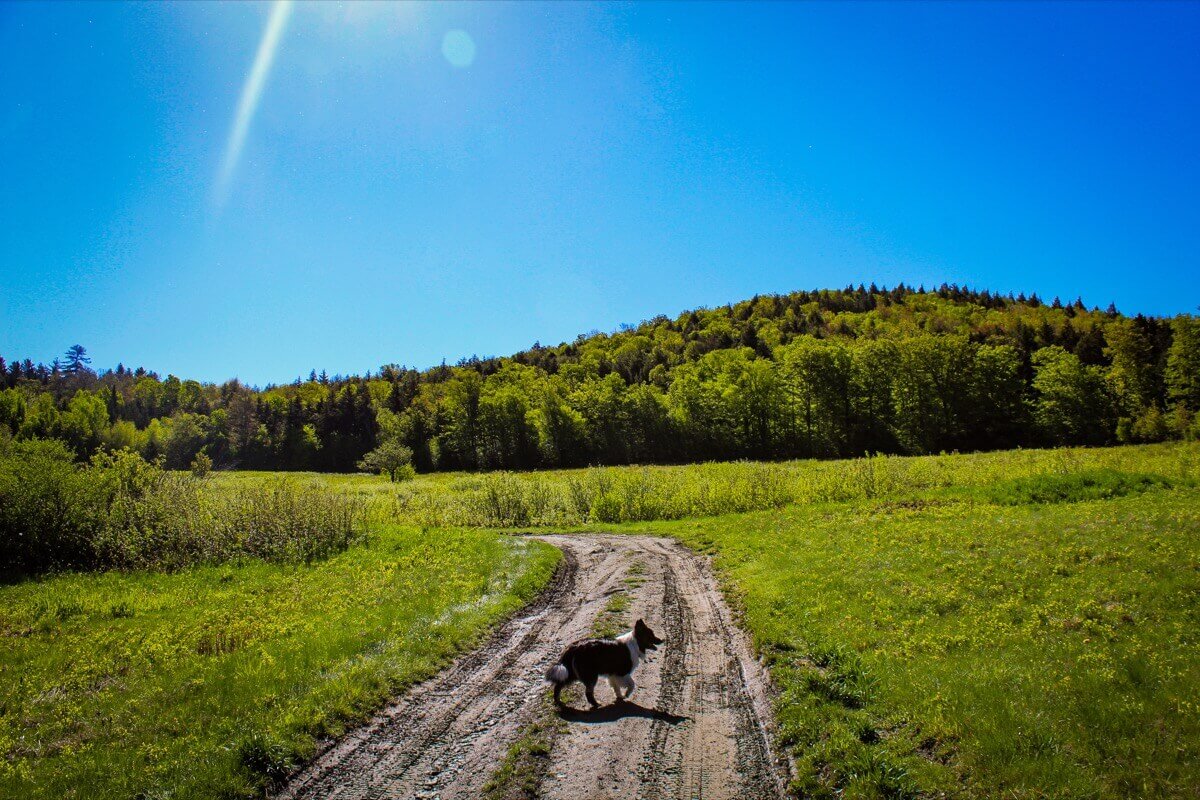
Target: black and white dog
(615,659)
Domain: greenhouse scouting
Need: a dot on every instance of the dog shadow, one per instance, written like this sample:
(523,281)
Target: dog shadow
(615,711)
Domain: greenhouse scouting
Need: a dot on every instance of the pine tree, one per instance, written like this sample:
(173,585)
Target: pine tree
(113,403)
(77,359)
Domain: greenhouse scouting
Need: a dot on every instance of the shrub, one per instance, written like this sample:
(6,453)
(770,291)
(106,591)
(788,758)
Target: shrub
(201,465)
(1092,484)
(277,520)
(392,459)
(121,511)
(51,510)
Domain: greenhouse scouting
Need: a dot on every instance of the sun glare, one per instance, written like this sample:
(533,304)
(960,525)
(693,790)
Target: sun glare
(459,48)
(252,91)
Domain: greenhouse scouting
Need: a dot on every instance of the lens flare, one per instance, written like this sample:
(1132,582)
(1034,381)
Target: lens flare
(458,48)
(252,91)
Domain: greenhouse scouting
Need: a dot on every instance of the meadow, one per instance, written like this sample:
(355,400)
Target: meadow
(565,499)
(1017,624)
(212,681)
(970,646)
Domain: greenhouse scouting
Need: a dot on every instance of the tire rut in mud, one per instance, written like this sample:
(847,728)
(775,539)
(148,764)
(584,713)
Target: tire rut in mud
(697,727)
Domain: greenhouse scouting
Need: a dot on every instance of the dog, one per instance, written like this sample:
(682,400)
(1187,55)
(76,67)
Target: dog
(615,659)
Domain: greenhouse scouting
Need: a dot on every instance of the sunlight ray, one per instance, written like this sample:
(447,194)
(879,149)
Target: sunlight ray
(251,94)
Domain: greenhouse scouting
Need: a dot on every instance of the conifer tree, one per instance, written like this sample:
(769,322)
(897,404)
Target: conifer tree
(77,359)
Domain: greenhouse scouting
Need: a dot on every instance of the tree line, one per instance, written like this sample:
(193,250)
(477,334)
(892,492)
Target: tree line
(828,373)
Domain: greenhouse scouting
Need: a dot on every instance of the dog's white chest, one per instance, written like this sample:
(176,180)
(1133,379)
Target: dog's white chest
(635,652)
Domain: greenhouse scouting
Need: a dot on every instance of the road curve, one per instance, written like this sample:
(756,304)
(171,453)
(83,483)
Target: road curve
(697,726)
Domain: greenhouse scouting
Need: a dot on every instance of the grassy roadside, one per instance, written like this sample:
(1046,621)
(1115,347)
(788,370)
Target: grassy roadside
(978,644)
(211,681)
(520,773)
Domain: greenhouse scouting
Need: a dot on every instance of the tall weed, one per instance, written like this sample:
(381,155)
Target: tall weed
(120,511)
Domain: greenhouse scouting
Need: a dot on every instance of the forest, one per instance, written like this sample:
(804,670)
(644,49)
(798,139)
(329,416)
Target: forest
(811,374)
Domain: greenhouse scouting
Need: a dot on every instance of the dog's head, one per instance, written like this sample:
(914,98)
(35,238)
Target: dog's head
(645,637)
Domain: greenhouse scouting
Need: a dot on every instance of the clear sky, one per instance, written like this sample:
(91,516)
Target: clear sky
(220,190)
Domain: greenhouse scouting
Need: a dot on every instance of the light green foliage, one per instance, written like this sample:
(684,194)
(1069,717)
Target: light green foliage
(808,374)
(207,682)
(1183,363)
(12,410)
(1012,624)
(932,383)
(1132,374)
(821,377)
(1073,402)
(392,459)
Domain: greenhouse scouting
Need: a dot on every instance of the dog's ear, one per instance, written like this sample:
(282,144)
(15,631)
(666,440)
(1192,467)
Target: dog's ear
(640,623)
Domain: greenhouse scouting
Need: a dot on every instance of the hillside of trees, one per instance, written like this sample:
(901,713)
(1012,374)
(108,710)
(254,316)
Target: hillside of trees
(810,374)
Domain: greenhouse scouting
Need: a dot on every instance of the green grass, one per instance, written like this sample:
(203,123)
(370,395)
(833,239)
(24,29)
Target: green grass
(611,495)
(519,774)
(1088,484)
(612,619)
(1019,624)
(212,681)
(975,648)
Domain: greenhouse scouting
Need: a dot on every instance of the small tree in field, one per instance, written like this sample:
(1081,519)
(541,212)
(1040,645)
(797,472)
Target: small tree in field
(391,458)
(201,465)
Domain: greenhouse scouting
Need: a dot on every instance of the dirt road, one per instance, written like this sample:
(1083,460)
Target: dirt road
(693,729)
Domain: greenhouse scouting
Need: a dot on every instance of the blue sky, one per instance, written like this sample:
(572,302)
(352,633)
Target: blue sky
(425,182)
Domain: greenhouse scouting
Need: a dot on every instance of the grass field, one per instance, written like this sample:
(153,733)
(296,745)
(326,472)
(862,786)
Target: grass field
(1019,624)
(211,681)
(977,649)
(607,495)
(1016,624)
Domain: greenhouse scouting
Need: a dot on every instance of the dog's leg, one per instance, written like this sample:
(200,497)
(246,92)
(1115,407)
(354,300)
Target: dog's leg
(558,687)
(617,683)
(589,687)
(629,685)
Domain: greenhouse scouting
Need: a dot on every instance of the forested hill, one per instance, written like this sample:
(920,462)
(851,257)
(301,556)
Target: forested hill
(823,373)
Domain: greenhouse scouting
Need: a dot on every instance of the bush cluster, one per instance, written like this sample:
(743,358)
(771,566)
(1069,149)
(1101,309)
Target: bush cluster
(1092,484)
(121,511)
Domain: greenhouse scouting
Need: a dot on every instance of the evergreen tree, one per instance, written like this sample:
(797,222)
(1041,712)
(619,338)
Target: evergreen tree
(76,360)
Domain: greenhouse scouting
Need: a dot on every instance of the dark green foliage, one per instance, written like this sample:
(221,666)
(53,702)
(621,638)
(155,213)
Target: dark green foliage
(1076,487)
(259,754)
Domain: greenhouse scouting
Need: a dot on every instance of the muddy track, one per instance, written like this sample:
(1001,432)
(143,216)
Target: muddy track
(695,728)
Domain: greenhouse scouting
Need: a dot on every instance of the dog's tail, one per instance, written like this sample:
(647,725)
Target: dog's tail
(558,673)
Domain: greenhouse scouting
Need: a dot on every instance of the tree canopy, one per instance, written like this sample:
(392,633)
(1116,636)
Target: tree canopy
(823,373)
